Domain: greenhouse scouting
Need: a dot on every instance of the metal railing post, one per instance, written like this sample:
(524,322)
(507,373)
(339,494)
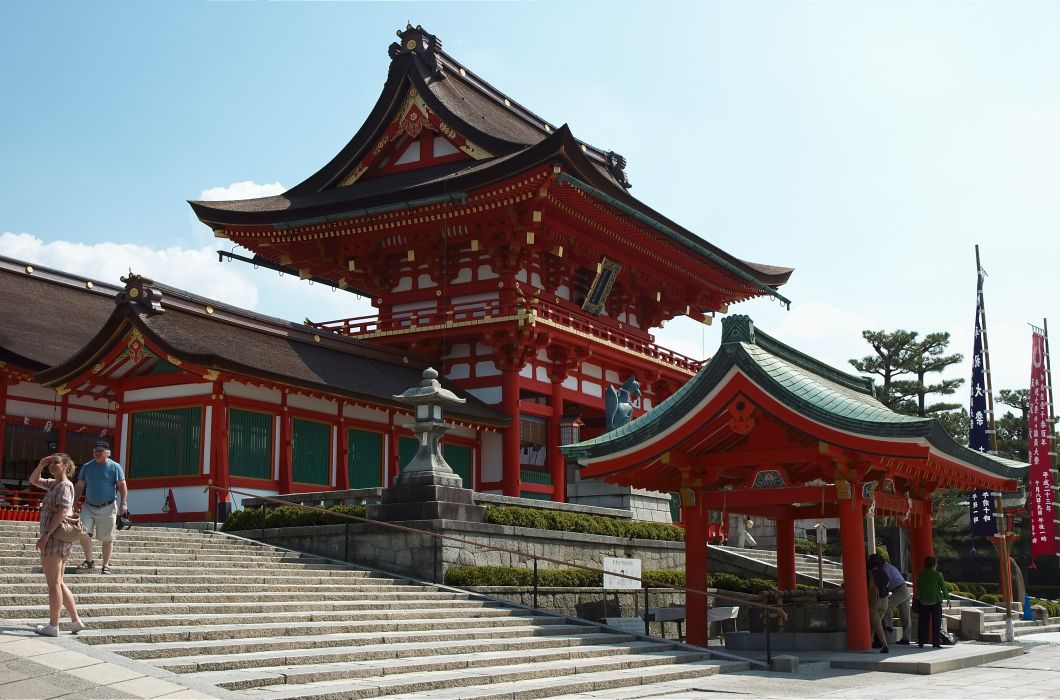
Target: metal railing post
(769,648)
(215,496)
(535,583)
(261,508)
(646,589)
(346,550)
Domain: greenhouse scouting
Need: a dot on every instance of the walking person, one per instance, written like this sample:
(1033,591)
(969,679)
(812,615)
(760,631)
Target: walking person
(897,594)
(102,480)
(876,613)
(930,592)
(57,504)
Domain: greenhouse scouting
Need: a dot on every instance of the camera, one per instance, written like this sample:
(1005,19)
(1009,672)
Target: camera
(124,522)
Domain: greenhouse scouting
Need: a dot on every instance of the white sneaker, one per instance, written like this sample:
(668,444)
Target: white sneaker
(47,630)
(76,626)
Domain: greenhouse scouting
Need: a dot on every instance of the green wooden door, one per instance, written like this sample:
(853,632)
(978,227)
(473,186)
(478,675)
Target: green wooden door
(311,451)
(364,464)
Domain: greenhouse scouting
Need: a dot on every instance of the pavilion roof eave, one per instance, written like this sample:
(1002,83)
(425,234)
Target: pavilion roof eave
(734,370)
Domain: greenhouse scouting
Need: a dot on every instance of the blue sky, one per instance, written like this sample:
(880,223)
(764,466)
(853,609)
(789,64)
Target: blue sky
(869,145)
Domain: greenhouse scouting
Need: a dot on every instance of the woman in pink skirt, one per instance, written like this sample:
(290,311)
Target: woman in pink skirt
(57,504)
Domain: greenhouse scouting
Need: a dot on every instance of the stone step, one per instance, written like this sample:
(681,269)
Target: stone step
(600,683)
(145,598)
(89,586)
(141,567)
(312,673)
(302,632)
(483,609)
(384,650)
(108,607)
(522,678)
(209,577)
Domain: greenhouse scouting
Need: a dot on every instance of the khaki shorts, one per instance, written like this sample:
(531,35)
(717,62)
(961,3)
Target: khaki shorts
(100,521)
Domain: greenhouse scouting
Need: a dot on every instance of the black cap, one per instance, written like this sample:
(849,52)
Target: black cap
(103,443)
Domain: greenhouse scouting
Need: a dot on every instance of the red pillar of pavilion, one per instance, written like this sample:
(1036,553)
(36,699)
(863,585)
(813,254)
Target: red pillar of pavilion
(855,575)
(921,544)
(558,463)
(510,478)
(695,573)
(785,554)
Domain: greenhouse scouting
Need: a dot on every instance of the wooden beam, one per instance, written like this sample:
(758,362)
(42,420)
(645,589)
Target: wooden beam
(716,500)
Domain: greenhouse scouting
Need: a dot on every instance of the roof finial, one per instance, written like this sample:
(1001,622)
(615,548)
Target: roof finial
(417,41)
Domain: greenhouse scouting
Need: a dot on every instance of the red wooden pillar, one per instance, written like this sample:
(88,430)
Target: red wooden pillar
(855,581)
(4,379)
(393,465)
(785,554)
(64,408)
(921,544)
(695,520)
(510,476)
(342,469)
(556,458)
(286,448)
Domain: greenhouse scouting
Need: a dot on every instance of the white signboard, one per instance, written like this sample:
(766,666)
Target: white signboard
(619,565)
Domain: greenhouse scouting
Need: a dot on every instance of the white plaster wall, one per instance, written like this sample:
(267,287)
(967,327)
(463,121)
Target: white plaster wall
(425,282)
(611,377)
(491,457)
(591,370)
(459,350)
(521,275)
(485,272)
(32,410)
(371,415)
(175,391)
(254,393)
(311,403)
(464,275)
(486,368)
(542,375)
(570,383)
(29,390)
(490,395)
(483,349)
(82,417)
(592,389)
(461,370)
(527,371)
(403,285)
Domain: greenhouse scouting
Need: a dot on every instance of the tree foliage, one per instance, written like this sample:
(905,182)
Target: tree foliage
(1012,428)
(906,363)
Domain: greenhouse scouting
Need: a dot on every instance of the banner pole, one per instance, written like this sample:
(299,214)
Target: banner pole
(1004,567)
(1052,468)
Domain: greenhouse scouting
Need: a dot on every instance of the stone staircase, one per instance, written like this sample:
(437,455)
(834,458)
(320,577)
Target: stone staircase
(246,619)
(994,624)
(805,564)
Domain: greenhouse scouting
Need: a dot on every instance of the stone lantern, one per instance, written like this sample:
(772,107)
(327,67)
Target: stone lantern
(427,487)
(428,466)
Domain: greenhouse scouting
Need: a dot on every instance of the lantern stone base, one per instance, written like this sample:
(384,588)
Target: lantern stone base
(426,501)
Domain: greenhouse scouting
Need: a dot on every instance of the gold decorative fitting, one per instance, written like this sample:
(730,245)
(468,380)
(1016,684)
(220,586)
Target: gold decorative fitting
(211,375)
(585,149)
(209,309)
(411,256)
(351,265)
(463,72)
(62,390)
(500,284)
(437,292)
(474,244)
(97,368)
(507,102)
(176,362)
(548,129)
(29,269)
(304,273)
(537,217)
(133,293)
(410,44)
(89,285)
(316,338)
(405,359)
(529,237)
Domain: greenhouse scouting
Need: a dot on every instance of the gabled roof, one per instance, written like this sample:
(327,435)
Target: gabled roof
(48,315)
(829,403)
(61,325)
(508,140)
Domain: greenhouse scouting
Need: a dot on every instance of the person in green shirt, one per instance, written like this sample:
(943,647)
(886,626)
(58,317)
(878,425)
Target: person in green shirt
(930,592)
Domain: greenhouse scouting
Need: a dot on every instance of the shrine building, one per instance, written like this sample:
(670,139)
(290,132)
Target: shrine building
(508,253)
(766,430)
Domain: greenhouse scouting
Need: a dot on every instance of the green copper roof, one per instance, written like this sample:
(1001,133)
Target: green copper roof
(806,385)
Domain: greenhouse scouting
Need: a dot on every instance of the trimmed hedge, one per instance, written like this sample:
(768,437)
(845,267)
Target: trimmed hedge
(290,516)
(541,519)
(483,576)
(1050,606)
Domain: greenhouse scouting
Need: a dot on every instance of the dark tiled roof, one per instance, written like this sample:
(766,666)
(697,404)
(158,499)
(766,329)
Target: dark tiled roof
(804,384)
(53,323)
(48,315)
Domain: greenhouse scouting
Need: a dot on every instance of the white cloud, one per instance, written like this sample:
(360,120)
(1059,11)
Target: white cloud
(248,189)
(195,270)
(826,332)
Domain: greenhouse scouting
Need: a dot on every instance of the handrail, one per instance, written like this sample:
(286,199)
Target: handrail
(410,319)
(404,528)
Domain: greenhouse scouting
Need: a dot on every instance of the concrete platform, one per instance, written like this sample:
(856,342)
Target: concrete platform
(905,659)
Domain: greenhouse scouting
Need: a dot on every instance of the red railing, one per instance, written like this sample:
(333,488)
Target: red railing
(20,505)
(409,319)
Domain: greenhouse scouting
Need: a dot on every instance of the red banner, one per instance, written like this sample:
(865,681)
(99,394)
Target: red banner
(1040,496)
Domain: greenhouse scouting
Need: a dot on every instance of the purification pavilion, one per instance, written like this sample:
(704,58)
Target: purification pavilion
(766,430)
(503,249)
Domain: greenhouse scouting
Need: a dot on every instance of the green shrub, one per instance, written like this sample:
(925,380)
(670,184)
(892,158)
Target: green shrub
(290,516)
(992,598)
(1053,609)
(542,519)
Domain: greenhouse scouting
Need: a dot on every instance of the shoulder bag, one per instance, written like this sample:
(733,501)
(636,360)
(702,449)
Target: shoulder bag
(69,530)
